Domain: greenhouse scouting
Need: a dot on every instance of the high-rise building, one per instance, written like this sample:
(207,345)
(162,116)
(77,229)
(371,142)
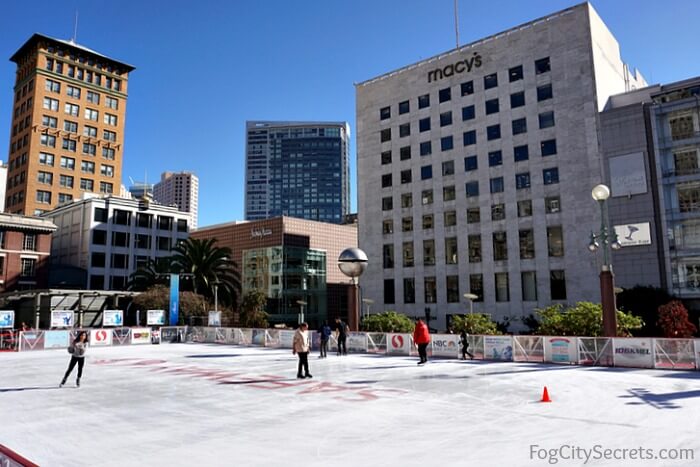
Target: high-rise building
(475,170)
(179,189)
(67,124)
(3,185)
(297,169)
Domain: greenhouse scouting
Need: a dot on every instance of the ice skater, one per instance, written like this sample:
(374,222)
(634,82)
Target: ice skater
(464,340)
(342,330)
(77,350)
(325,333)
(300,346)
(421,337)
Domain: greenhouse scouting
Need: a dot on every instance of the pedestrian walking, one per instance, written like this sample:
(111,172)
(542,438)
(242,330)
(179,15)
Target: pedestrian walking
(342,330)
(77,350)
(464,340)
(421,337)
(300,346)
(325,333)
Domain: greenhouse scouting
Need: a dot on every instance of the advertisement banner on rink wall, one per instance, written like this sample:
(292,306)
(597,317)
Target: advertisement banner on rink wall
(56,339)
(445,345)
(398,344)
(62,319)
(286,338)
(560,350)
(697,354)
(258,337)
(141,335)
(121,336)
(214,319)
(112,318)
(635,353)
(102,337)
(357,342)
(498,348)
(7,319)
(155,318)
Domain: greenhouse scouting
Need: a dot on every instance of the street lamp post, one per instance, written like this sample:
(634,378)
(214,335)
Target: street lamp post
(216,295)
(368,302)
(471,297)
(352,262)
(608,238)
(301,303)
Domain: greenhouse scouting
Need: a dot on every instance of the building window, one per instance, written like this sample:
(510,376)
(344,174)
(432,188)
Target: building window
(476,286)
(64,198)
(515,73)
(517,99)
(120,261)
(469,137)
(106,187)
(500,246)
(427,221)
(426,172)
(87,167)
(121,217)
(496,185)
(495,158)
(474,248)
(108,136)
(52,86)
(472,189)
(404,130)
(67,163)
(682,127)
(498,212)
(51,104)
(490,81)
(93,98)
(552,205)
(529,286)
(90,131)
(426,148)
(405,153)
(70,127)
(473,215)
(430,290)
(407,254)
(384,113)
(685,162)
(522,180)
(43,197)
(86,184)
(385,135)
(386,180)
(406,176)
(386,157)
(557,285)
(502,292)
(51,122)
(163,244)
(427,197)
(527,244)
(409,290)
(48,140)
(389,292)
(544,92)
(97,260)
(72,110)
(542,65)
(69,144)
(424,124)
(387,226)
(120,239)
(89,149)
(99,237)
(29,243)
(555,241)
(448,168)
(404,107)
(388,255)
(142,242)
(110,119)
(493,132)
(546,119)
(446,143)
(446,118)
(107,170)
(519,126)
(407,224)
(73,92)
(28,267)
(467,88)
(100,215)
(387,203)
(468,113)
(108,153)
(445,95)
(448,193)
(424,101)
(470,163)
(45,177)
(548,147)
(452,283)
(550,176)
(525,208)
(429,252)
(521,153)
(407,200)
(144,220)
(491,106)
(165,223)
(450,218)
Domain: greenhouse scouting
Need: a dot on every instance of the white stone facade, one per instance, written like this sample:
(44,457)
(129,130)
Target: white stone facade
(181,190)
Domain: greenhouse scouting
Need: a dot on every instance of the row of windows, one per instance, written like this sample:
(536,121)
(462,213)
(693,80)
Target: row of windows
(29,241)
(89,76)
(552,205)
(467,88)
(71,145)
(46,178)
(73,110)
(122,217)
(72,127)
(557,288)
(45,197)
(123,239)
(526,238)
(76,92)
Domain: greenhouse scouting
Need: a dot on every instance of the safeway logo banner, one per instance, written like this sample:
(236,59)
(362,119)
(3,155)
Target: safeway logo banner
(101,337)
(398,344)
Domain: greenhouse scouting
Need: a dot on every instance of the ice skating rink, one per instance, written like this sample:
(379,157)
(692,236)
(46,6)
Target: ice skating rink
(215,405)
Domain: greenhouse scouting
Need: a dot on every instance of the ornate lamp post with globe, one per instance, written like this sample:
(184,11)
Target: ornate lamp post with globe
(353,262)
(608,238)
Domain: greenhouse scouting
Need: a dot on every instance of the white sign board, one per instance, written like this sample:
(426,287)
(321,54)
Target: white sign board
(357,342)
(7,318)
(398,344)
(498,348)
(633,234)
(62,319)
(627,175)
(100,337)
(633,352)
(286,339)
(155,318)
(112,318)
(445,345)
(141,335)
(561,350)
(214,318)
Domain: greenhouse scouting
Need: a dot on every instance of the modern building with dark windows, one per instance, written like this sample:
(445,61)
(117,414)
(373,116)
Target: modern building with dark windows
(297,169)
(475,170)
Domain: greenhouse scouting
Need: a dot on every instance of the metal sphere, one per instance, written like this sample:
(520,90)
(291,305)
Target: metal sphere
(352,262)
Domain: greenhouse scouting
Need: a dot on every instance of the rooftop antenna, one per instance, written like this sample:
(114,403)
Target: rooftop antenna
(75,28)
(456,23)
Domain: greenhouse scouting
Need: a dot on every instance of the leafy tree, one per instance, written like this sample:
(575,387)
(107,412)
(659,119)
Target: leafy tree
(673,320)
(253,314)
(644,301)
(388,321)
(475,323)
(582,319)
(210,266)
(158,298)
(150,274)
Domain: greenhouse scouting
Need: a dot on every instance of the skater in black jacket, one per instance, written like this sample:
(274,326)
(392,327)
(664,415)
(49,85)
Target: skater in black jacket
(77,350)
(464,340)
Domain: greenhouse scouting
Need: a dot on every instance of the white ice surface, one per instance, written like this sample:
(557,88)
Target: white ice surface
(359,410)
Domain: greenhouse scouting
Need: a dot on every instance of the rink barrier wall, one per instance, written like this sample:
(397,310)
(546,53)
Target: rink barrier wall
(9,458)
(630,352)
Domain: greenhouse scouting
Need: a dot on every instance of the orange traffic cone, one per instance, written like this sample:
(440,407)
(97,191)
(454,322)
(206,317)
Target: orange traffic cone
(545,395)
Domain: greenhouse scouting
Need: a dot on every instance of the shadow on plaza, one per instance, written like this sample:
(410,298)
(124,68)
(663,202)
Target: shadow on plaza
(659,401)
(29,388)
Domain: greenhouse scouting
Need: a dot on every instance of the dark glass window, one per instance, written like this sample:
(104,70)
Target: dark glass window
(446,118)
(448,168)
(99,237)
(384,113)
(546,119)
(521,153)
(493,132)
(446,143)
(386,180)
(389,292)
(100,215)
(98,260)
(473,215)
(550,176)
(468,113)
(387,203)
(121,217)
(515,73)
(519,126)
(472,189)
(467,88)
(495,158)
(426,148)
(406,176)
(476,286)
(469,137)
(490,81)
(424,101)
(522,180)
(498,212)
(405,153)
(557,285)
(385,135)
(491,106)
(426,172)
(517,99)
(542,65)
(525,208)
(404,107)
(424,124)
(404,130)
(386,157)
(409,290)
(470,163)
(549,147)
(144,220)
(445,95)
(544,92)
(552,204)
(496,185)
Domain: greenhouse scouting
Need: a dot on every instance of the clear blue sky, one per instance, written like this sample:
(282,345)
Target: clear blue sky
(205,67)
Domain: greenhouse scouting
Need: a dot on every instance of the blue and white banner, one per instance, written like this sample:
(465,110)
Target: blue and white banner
(633,352)
(561,350)
(112,318)
(7,318)
(214,318)
(155,318)
(498,348)
(174,299)
(62,319)
(56,339)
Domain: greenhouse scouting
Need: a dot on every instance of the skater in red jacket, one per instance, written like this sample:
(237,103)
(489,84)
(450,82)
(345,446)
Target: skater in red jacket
(421,337)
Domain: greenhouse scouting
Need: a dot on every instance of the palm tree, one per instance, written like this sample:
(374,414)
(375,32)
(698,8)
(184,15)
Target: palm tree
(150,274)
(211,266)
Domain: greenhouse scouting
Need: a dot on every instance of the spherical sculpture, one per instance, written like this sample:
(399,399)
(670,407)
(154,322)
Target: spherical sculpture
(600,192)
(352,262)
